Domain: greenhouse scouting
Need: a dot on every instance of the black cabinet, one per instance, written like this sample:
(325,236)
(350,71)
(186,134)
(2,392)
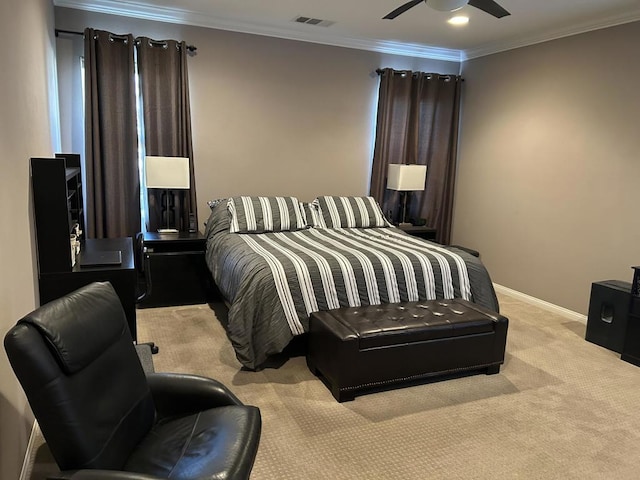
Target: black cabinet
(58,208)
(631,349)
(177,272)
(58,212)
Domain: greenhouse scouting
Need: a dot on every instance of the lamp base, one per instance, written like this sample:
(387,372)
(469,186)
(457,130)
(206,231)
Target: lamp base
(167,230)
(405,224)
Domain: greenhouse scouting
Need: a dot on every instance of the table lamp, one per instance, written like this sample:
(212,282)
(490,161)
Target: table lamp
(169,173)
(405,179)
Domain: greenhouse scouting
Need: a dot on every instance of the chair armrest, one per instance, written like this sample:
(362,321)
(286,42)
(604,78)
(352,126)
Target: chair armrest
(101,475)
(179,394)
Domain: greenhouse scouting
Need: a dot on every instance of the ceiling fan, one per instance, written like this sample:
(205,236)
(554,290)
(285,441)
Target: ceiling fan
(488,6)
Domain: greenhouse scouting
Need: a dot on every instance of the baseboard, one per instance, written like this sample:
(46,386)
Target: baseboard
(564,312)
(27,464)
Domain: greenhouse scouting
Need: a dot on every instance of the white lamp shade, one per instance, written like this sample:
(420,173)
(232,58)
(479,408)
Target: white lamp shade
(447,5)
(167,172)
(406,177)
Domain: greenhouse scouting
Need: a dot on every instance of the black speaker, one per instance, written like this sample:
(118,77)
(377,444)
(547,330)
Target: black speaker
(608,314)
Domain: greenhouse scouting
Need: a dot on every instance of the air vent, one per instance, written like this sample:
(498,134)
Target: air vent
(313,21)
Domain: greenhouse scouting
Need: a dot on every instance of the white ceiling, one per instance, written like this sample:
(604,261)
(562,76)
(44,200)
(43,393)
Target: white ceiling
(421,32)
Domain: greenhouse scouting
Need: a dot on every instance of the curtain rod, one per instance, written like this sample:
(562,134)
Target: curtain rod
(380,71)
(191,48)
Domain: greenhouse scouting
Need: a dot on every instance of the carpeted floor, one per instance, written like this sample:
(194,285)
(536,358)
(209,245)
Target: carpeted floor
(561,408)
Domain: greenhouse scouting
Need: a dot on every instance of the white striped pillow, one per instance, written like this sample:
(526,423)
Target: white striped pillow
(350,212)
(265,214)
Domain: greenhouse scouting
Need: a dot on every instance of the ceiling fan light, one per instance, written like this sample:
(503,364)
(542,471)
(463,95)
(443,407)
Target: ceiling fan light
(446,5)
(458,20)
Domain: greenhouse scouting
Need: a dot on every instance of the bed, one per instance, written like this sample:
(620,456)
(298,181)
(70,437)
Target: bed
(276,260)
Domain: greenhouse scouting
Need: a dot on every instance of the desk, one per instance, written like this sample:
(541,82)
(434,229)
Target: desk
(123,277)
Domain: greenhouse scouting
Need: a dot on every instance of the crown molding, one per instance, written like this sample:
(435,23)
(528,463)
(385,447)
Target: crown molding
(305,33)
(555,34)
(296,32)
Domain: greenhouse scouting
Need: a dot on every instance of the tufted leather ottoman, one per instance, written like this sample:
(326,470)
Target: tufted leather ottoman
(356,350)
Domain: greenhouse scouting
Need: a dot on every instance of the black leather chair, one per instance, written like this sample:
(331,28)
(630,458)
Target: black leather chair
(103,418)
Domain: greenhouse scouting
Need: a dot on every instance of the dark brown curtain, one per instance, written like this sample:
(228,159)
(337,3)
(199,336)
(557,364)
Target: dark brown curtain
(111,163)
(417,123)
(164,84)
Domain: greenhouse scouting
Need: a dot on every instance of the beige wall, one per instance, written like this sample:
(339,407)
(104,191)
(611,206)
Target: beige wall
(273,116)
(548,156)
(26,129)
(549,164)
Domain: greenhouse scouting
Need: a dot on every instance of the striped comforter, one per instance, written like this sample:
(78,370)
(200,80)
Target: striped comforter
(324,269)
(273,281)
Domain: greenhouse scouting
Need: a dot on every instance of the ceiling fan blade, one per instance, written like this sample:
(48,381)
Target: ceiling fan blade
(402,9)
(489,6)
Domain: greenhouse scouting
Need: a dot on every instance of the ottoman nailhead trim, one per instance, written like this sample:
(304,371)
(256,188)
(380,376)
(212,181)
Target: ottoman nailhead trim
(415,377)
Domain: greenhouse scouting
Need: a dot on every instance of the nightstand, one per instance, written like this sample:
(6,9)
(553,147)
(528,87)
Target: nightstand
(426,233)
(177,270)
